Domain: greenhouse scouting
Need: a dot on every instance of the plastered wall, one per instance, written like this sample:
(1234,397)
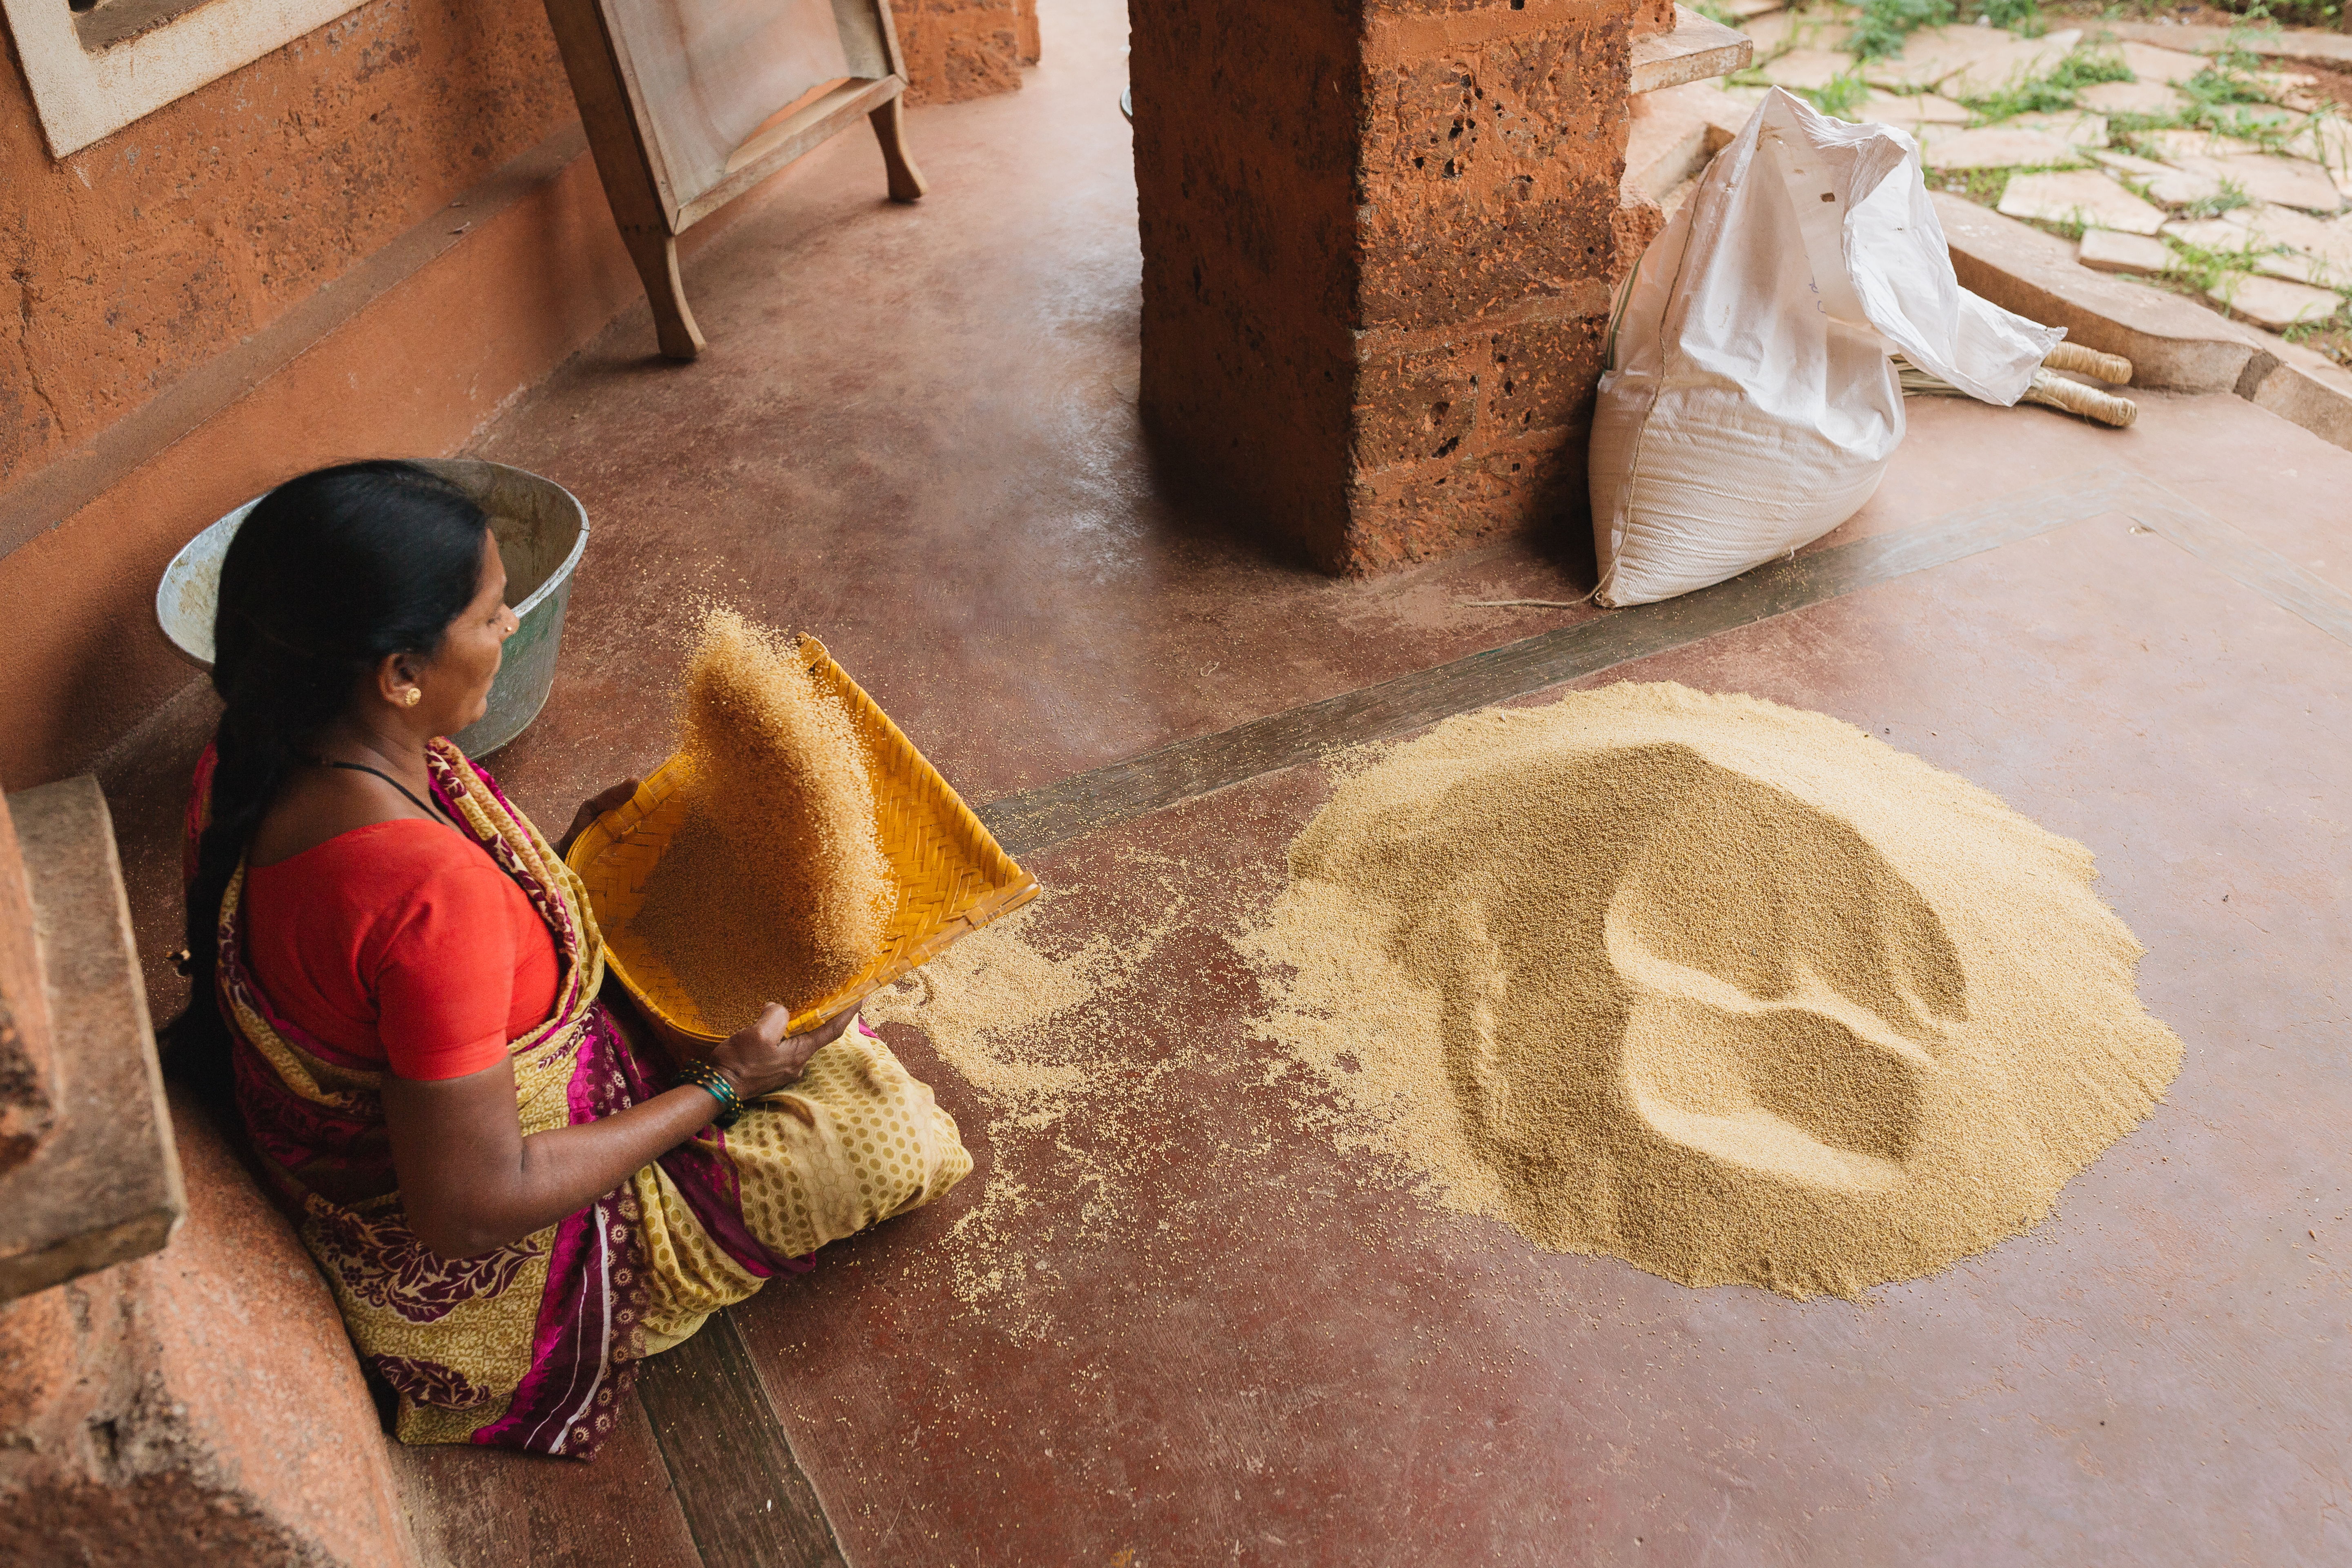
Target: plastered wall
(135,266)
(137,259)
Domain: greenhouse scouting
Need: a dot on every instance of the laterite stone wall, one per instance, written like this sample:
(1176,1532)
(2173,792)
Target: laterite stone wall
(965,48)
(1379,239)
(1246,152)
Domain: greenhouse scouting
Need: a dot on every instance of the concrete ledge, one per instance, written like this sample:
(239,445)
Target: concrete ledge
(104,1186)
(2172,342)
(1674,131)
(2304,388)
(1694,50)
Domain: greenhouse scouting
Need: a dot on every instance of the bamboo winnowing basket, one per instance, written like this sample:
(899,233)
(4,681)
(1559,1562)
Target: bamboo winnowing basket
(952,876)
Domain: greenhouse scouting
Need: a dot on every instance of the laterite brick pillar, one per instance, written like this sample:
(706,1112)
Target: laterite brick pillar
(1379,240)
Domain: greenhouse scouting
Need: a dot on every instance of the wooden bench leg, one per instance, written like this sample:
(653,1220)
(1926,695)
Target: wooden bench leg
(906,184)
(655,253)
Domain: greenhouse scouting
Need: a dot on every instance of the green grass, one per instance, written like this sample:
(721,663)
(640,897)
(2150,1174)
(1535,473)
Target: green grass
(2023,16)
(2196,269)
(2229,198)
(1982,186)
(2301,331)
(2272,136)
(1985,187)
(1882,25)
(2038,95)
(2217,86)
(1840,95)
(2287,13)
(1714,12)
(2055,90)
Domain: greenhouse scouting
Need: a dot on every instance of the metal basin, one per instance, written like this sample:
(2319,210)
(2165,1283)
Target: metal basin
(541,531)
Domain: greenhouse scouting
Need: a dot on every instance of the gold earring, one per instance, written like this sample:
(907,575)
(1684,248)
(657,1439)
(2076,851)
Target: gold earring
(414,696)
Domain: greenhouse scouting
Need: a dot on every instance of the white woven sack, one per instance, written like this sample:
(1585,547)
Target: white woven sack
(1750,405)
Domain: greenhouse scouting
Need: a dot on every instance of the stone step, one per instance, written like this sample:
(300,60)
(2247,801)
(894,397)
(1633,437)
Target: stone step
(1696,49)
(2173,343)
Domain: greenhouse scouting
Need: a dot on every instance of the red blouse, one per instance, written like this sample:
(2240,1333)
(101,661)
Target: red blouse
(404,943)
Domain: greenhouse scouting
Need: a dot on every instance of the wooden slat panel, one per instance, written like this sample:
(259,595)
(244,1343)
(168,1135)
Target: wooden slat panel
(779,144)
(704,74)
(745,1498)
(491,1508)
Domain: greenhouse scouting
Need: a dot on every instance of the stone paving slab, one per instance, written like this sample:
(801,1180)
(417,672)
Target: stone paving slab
(2086,196)
(2288,182)
(2253,120)
(1695,48)
(2326,238)
(2071,126)
(1999,147)
(2280,43)
(2216,234)
(1932,54)
(2191,143)
(1784,30)
(2178,186)
(1912,108)
(1806,68)
(2283,85)
(2111,250)
(2018,60)
(2151,63)
(2274,302)
(2129,163)
(2297,267)
(2132,98)
(2308,388)
(1675,131)
(2171,342)
(2327,143)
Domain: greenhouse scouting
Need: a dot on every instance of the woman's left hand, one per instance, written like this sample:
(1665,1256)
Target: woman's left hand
(594,807)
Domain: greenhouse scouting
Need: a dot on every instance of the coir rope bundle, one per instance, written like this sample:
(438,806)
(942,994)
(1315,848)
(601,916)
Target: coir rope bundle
(2049,388)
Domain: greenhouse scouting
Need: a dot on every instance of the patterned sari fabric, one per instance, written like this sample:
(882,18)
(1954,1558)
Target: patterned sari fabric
(531,1346)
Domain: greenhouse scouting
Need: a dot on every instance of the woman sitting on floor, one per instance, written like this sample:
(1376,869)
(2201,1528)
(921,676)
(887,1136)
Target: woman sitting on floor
(511,1205)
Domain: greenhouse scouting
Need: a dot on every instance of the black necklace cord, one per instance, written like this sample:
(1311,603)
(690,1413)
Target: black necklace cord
(431,811)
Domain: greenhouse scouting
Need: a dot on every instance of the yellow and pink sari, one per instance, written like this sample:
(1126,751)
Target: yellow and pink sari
(532,1346)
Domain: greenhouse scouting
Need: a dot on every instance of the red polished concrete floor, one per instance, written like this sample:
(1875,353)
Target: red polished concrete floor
(1212,1337)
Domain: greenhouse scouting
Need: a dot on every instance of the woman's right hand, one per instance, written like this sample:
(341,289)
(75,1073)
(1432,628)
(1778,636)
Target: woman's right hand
(763,1058)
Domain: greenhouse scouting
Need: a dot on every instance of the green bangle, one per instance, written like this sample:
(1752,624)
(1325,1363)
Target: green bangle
(703,1076)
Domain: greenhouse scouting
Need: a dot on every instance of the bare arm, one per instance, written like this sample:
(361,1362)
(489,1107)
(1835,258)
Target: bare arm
(472,1182)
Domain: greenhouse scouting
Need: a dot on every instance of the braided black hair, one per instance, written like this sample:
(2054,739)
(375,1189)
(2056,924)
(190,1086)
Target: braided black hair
(332,572)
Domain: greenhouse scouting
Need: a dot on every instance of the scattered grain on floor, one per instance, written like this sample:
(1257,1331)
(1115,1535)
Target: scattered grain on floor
(1064,1044)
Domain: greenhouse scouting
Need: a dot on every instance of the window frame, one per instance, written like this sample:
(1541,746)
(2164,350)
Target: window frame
(84,94)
